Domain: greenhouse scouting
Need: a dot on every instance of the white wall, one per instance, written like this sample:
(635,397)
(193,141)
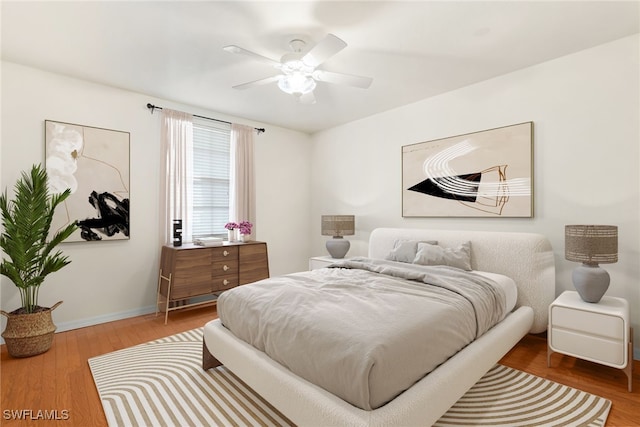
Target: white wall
(109,280)
(585,108)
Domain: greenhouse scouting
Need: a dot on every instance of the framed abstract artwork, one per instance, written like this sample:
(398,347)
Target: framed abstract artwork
(481,174)
(94,164)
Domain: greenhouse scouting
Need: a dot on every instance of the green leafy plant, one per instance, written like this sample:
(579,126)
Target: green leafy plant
(26,221)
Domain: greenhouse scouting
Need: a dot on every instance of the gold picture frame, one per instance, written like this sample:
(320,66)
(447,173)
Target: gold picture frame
(481,174)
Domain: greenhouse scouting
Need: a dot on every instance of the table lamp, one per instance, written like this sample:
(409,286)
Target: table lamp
(338,226)
(591,245)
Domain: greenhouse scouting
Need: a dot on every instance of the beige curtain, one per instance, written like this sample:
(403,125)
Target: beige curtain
(176,173)
(242,203)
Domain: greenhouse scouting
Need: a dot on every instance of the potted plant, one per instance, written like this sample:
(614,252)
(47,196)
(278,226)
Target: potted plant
(231,231)
(29,258)
(245,230)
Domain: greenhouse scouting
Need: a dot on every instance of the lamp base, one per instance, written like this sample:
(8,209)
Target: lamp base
(591,282)
(338,247)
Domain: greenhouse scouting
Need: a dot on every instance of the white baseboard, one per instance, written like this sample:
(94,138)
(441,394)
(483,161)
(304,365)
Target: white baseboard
(91,321)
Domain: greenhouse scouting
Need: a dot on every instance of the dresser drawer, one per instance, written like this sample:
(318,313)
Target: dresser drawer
(589,347)
(224,267)
(594,323)
(225,253)
(222,283)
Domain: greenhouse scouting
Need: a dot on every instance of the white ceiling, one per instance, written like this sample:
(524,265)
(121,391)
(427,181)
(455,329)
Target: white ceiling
(412,50)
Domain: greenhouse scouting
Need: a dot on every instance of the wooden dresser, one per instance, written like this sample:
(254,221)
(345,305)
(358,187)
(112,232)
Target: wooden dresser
(191,272)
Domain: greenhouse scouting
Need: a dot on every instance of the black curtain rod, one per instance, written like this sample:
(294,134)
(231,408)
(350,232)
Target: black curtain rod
(155,107)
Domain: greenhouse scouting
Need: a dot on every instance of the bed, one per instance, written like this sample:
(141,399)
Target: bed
(524,257)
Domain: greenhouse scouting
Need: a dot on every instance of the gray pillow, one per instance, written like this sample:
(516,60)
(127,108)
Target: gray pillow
(459,257)
(405,250)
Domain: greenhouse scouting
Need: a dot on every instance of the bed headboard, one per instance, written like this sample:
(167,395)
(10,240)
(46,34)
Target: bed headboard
(525,257)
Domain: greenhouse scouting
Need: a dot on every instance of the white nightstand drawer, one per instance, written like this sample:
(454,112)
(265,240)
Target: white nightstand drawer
(594,323)
(595,349)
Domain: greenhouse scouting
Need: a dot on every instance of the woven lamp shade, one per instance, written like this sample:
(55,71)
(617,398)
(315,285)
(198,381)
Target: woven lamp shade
(338,225)
(591,244)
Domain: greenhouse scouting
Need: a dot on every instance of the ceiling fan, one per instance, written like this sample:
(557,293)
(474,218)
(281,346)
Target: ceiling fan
(298,70)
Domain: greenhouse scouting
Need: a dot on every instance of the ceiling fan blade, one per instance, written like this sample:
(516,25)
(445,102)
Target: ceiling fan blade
(343,79)
(259,82)
(307,98)
(241,51)
(324,50)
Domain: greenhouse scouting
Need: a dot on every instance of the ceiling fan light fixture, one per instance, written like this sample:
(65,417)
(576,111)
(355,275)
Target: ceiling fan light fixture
(298,69)
(297,83)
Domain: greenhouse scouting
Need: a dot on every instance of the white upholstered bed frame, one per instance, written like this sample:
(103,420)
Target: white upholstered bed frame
(527,258)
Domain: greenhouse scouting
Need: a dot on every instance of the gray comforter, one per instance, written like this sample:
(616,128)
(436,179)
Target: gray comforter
(364,330)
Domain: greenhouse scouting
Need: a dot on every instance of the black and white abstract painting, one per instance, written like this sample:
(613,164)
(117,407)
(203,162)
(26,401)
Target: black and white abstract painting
(481,174)
(94,164)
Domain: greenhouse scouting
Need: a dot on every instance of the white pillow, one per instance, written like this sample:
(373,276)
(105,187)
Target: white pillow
(405,250)
(437,255)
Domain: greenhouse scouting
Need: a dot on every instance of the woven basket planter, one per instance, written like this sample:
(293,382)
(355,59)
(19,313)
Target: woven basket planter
(30,333)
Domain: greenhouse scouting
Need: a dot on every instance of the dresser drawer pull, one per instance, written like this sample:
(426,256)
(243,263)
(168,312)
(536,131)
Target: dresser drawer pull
(225,282)
(225,268)
(225,253)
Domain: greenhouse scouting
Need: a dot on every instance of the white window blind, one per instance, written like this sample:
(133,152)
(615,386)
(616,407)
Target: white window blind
(211,142)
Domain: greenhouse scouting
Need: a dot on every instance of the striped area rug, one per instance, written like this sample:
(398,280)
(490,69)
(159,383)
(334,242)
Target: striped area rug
(508,397)
(161,383)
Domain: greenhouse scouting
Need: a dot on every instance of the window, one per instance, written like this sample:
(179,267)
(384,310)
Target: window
(211,151)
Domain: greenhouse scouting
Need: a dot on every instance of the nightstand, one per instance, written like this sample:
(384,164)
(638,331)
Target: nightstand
(598,332)
(322,261)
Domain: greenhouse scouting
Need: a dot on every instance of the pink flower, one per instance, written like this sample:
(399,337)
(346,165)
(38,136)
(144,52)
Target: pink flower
(231,226)
(245,227)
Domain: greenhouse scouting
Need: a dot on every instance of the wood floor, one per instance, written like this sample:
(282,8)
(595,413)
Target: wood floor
(60,383)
